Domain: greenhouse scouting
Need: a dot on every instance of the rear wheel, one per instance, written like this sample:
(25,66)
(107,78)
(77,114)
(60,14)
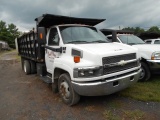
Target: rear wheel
(27,67)
(33,67)
(145,74)
(22,63)
(66,91)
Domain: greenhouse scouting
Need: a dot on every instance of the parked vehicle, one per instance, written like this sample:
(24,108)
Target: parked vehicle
(152,41)
(150,54)
(4,45)
(76,58)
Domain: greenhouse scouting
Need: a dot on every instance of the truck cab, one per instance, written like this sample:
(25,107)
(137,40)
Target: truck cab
(150,61)
(77,59)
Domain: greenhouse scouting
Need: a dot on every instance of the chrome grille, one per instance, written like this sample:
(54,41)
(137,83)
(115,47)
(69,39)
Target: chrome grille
(116,59)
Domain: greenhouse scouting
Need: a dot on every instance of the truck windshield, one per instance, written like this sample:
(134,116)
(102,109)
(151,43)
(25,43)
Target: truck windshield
(81,34)
(130,39)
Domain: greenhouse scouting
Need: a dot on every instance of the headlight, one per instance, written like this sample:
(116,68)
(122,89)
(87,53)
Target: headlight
(87,72)
(155,56)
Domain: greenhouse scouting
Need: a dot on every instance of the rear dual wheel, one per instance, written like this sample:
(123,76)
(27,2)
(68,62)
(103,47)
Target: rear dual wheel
(29,67)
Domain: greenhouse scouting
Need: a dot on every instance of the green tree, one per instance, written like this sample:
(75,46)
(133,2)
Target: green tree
(136,30)
(153,29)
(13,33)
(129,28)
(8,33)
(3,30)
(2,25)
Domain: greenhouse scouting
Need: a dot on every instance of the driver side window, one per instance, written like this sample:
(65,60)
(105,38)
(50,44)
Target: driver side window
(53,37)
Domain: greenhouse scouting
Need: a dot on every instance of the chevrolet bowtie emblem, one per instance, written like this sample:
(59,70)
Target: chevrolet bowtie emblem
(122,63)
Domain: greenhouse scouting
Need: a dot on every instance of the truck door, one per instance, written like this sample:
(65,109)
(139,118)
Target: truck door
(51,55)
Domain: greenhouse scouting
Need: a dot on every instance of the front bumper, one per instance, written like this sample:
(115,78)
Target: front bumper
(154,65)
(106,86)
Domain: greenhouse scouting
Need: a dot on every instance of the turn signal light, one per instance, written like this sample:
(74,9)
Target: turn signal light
(76,59)
(41,36)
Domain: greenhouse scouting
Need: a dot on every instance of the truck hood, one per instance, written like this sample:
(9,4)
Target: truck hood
(105,49)
(92,54)
(146,50)
(147,47)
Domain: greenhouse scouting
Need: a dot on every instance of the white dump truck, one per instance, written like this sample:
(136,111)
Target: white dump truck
(76,58)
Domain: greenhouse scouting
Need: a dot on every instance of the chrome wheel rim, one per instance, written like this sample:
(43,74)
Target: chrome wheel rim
(25,69)
(64,90)
(142,73)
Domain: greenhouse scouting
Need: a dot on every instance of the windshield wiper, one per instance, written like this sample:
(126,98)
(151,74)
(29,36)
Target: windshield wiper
(78,41)
(99,41)
(131,43)
(141,43)
(135,43)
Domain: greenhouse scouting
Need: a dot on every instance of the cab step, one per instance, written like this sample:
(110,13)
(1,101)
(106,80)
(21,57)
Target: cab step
(46,79)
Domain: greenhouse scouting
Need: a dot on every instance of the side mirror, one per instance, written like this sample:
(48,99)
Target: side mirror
(114,36)
(41,35)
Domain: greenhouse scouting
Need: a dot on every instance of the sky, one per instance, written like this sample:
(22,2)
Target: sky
(118,13)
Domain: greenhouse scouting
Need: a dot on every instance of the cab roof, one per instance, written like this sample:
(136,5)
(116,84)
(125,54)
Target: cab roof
(111,31)
(48,20)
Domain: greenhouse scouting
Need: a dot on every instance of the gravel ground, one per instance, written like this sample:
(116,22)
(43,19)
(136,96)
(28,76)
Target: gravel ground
(26,97)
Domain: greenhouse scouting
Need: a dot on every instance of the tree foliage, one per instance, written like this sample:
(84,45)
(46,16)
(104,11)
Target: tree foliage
(8,33)
(154,29)
(138,30)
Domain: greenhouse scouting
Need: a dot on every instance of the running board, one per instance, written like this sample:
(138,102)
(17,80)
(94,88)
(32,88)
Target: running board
(46,79)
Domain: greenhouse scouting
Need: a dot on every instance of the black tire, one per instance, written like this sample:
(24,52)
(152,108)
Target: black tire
(33,67)
(146,73)
(55,86)
(22,63)
(27,67)
(66,91)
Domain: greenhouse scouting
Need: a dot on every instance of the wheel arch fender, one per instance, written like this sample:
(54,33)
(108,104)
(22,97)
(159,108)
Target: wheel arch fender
(145,56)
(60,69)
(144,61)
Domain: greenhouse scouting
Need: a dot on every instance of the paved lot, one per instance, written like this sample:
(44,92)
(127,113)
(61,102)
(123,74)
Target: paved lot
(26,97)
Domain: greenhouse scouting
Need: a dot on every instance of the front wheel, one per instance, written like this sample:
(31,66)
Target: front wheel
(66,91)
(145,74)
